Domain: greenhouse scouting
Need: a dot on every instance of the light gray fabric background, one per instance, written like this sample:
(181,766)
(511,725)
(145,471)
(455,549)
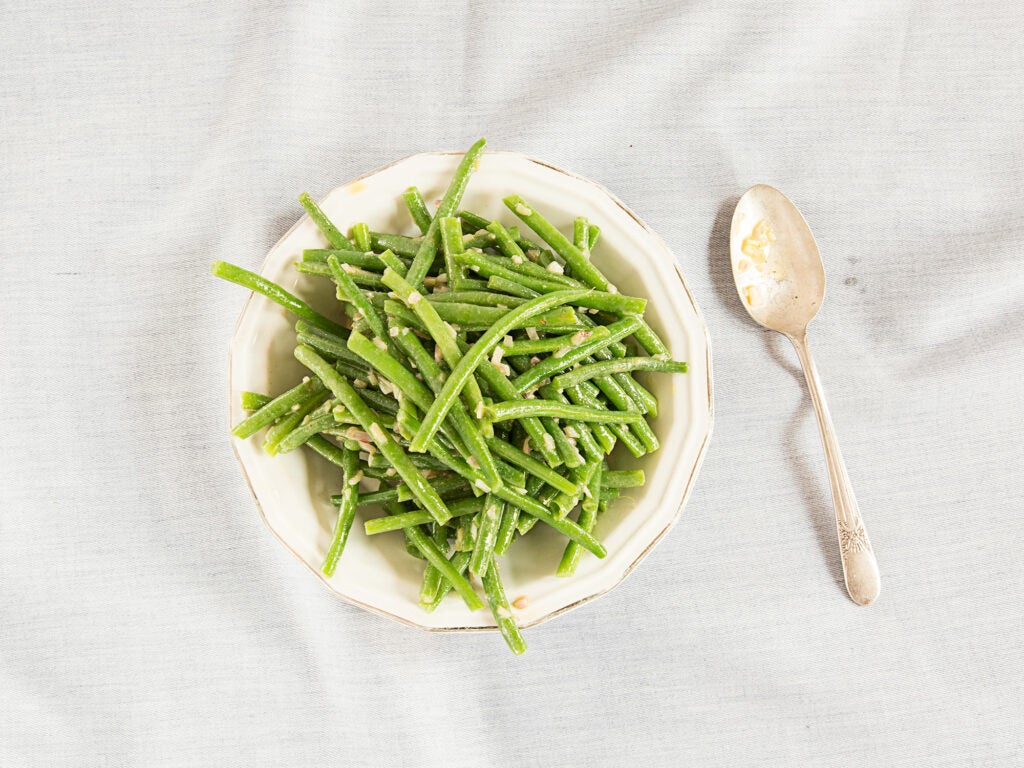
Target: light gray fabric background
(148,619)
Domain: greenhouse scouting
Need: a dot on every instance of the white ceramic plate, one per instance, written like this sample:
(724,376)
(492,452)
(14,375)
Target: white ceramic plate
(292,491)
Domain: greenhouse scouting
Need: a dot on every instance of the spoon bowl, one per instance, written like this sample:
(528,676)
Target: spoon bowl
(791,279)
(780,279)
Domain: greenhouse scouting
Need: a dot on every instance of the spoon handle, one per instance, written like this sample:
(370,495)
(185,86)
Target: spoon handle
(860,570)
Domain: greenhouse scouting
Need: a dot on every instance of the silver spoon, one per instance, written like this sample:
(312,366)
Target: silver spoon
(781,282)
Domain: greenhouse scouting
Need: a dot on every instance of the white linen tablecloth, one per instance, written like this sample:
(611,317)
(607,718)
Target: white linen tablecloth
(147,618)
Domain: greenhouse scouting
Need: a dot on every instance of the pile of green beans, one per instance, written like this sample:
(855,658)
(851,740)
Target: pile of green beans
(474,380)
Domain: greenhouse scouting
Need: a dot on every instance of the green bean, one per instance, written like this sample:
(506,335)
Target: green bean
(253,401)
(629,438)
(278,407)
(389,523)
(418,355)
(502,388)
(588,516)
(361,277)
(538,469)
(462,373)
(557,321)
(449,204)
(515,259)
(301,326)
(392,451)
(570,455)
(469,315)
(317,268)
(516,409)
(488,521)
(536,252)
(566,527)
(478,241)
(326,448)
(522,266)
(473,222)
(504,241)
(620,365)
(546,498)
(442,448)
(649,340)
(421,460)
(459,418)
(609,388)
(609,494)
(591,450)
(489,266)
(581,267)
(367,260)
(343,367)
(580,229)
(348,290)
(589,446)
(434,556)
(481,298)
(643,400)
(554,343)
(365,278)
(501,611)
(513,477)
(335,348)
(550,366)
(564,502)
(600,432)
(624,478)
(459,561)
(465,533)
(526,522)
(581,395)
(391,369)
(311,425)
(614,303)
(390,261)
(417,208)
(380,402)
(451,242)
(275,293)
(442,334)
(642,430)
(411,547)
(535,489)
(400,493)
(478,317)
(331,232)
(507,530)
(470,284)
(618,349)
(511,287)
(281,430)
(346,511)
(361,236)
(344,422)
(432,577)
(405,247)
(592,236)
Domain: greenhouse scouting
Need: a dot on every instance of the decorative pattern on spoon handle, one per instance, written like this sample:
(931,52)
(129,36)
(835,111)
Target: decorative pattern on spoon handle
(860,570)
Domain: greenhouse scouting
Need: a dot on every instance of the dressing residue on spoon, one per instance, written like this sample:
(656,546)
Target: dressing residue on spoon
(761,272)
